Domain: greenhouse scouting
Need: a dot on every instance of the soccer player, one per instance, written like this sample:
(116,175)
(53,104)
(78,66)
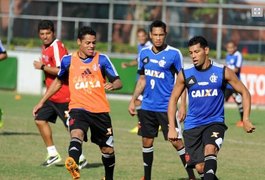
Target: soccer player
(204,126)
(86,70)
(143,42)
(158,65)
(3,56)
(56,106)
(234,61)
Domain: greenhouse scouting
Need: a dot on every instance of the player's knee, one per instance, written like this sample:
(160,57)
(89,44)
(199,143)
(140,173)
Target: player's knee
(210,149)
(107,150)
(199,168)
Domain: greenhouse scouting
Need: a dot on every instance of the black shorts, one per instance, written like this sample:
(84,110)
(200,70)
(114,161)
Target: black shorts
(99,124)
(51,110)
(197,138)
(149,122)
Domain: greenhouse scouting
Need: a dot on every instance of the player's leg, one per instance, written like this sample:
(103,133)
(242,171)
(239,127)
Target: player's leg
(238,99)
(102,135)
(78,127)
(45,115)
(178,145)
(148,130)
(213,137)
(62,111)
(194,149)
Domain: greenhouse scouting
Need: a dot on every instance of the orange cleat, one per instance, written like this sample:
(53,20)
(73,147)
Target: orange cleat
(72,167)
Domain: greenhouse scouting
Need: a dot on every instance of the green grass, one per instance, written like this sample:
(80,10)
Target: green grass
(22,149)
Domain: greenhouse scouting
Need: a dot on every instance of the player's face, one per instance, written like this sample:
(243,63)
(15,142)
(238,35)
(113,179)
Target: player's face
(231,48)
(87,45)
(198,54)
(46,36)
(158,36)
(142,37)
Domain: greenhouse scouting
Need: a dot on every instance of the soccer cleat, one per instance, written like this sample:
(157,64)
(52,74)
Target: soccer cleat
(50,160)
(142,178)
(239,123)
(134,130)
(72,167)
(82,164)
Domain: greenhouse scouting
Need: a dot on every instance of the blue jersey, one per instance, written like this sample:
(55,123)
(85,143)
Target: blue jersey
(234,61)
(107,68)
(206,95)
(141,46)
(2,49)
(159,70)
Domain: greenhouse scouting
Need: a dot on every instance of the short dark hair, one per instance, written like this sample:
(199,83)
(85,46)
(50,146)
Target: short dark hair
(198,40)
(46,24)
(158,23)
(141,30)
(84,30)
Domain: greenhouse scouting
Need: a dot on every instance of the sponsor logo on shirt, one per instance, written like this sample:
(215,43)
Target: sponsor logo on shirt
(154,73)
(204,93)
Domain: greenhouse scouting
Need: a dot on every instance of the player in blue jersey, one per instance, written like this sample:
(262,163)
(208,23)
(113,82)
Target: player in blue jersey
(3,54)
(158,65)
(204,126)
(234,61)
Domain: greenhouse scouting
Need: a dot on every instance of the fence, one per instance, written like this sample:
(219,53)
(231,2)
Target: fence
(116,21)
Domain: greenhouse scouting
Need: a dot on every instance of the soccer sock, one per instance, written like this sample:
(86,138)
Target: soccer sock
(148,155)
(190,172)
(75,149)
(52,151)
(109,164)
(210,167)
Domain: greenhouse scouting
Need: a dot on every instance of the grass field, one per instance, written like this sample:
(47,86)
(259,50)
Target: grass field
(22,150)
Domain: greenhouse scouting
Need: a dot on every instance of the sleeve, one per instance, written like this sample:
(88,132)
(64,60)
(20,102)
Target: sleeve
(64,68)
(107,68)
(141,59)
(178,61)
(2,49)
(239,60)
(59,51)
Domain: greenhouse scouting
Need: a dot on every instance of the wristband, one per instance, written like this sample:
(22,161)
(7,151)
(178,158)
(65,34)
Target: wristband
(42,67)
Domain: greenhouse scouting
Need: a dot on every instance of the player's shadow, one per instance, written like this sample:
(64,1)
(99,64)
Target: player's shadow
(5,133)
(88,166)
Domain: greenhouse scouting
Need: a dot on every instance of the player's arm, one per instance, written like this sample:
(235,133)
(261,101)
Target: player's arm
(110,71)
(132,63)
(139,88)
(3,54)
(239,87)
(178,89)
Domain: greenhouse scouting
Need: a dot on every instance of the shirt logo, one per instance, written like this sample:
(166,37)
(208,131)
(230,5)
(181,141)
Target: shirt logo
(162,63)
(213,78)
(204,93)
(215,134)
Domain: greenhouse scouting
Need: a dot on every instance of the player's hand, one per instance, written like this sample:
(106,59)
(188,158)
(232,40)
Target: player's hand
(36,109)
(108,86)
(172,134)
(248,126)
(124,65)
(131,108)
(37,64)
(181,115)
